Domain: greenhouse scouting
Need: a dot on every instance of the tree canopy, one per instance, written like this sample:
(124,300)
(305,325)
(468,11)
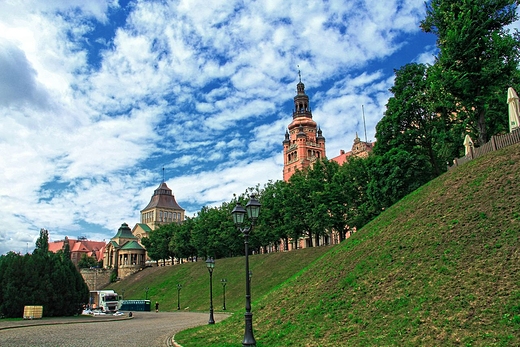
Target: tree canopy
(478,60)
(42,278)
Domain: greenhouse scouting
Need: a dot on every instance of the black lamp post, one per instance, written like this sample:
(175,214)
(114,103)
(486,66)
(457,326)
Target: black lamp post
(210,263)
(224,282)
(179,287)
(146,292)
(238,213)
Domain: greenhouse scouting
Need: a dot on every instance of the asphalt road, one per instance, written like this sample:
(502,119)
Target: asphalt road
(147,329)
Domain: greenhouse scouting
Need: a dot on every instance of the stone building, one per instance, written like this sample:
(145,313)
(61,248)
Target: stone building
(124,253)
(162,209)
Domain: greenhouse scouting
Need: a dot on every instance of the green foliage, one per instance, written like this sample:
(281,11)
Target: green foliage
(86,262)
(113,276)
(478,60)
(394,175)
(43,278)
(411,120)
(158,243)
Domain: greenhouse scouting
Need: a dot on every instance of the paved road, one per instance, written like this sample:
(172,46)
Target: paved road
(144,329)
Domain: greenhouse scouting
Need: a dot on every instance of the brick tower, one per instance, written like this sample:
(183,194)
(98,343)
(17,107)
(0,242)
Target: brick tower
(303,143)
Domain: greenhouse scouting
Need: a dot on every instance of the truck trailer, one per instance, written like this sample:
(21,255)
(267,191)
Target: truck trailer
(104,300)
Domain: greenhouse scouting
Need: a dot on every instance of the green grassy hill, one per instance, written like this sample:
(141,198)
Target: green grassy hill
(269,271)
(439,268)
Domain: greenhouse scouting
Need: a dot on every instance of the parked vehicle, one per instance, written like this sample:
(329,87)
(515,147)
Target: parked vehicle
(104,300)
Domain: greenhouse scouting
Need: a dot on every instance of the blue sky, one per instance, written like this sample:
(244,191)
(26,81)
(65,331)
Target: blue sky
(96,97)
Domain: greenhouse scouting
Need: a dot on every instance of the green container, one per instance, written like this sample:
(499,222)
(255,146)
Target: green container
(135,305)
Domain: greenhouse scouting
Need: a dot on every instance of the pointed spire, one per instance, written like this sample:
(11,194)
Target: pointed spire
(287,140)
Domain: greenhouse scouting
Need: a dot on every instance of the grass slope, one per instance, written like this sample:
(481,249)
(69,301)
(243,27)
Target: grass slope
(439,268)
(269,271)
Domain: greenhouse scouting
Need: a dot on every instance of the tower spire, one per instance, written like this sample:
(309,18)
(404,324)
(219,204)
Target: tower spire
(304,142)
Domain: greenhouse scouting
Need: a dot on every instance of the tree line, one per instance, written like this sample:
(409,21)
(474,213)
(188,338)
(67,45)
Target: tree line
(431,109)
(42,278)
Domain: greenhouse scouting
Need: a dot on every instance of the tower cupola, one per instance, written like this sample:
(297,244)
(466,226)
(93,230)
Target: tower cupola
(301,101)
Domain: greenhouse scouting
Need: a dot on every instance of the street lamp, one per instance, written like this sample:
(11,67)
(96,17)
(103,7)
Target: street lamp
(210,263)
(146,292)
(239,213)
(179,287)
(224,282)
(123,296)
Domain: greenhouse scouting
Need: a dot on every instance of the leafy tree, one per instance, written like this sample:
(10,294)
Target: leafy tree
(411,121)
(325,208)
(272,228)
(85,261)
(478,60)
(157,244)
(181,243)
(298,207)
(394,175)
(353,177)
(42,243)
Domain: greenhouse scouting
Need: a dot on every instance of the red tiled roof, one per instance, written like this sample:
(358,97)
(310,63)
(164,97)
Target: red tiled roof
(91,248)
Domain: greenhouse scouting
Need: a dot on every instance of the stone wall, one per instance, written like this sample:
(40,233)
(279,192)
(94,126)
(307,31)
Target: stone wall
(96,279)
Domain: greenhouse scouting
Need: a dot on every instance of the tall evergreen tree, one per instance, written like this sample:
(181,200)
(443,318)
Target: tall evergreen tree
(42,278)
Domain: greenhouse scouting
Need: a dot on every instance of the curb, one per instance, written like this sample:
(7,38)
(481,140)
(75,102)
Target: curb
(172,343)
(29,323)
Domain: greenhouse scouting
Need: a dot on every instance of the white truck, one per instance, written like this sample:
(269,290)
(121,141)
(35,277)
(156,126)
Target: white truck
(104,300)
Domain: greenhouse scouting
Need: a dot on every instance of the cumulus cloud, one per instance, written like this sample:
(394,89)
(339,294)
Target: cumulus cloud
(97,97)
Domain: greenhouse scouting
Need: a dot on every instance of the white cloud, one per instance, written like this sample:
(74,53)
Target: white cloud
(91,109)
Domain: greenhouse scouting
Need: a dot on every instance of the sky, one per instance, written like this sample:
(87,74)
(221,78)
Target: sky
(97,97)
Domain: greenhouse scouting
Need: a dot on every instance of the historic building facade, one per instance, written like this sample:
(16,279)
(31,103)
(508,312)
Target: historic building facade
(80,247)
(303,145)
(124,253)
(162,209)
(359,149)
(304,142)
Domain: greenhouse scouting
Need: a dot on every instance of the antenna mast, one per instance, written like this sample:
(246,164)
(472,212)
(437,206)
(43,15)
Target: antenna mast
(364,123)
